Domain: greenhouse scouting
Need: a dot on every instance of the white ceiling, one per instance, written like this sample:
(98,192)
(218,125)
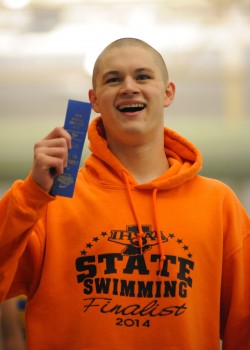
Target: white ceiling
(47,49)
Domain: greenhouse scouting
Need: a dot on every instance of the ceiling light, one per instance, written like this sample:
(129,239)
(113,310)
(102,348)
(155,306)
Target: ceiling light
(16,4)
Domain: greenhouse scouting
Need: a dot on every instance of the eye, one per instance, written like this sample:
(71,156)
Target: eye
(143,77)
(113,80)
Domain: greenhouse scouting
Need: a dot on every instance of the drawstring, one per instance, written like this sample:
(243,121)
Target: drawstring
(140,234)
(162,255)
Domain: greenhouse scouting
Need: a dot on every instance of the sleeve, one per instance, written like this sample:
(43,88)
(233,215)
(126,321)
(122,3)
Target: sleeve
(21,237)
(235,287)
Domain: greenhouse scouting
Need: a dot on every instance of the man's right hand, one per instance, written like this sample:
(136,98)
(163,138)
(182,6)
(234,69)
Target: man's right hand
(50,157)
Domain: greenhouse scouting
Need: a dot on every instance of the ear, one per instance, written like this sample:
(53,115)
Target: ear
(170,93)
(93,100)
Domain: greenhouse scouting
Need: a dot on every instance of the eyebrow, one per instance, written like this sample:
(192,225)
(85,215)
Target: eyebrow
(116,72)
(111,72)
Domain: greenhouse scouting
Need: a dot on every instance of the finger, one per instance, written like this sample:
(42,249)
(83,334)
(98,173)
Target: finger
(58,133)
(45,162)
(56,152)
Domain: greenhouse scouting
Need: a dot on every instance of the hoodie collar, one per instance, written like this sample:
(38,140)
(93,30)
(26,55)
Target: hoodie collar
(184,158)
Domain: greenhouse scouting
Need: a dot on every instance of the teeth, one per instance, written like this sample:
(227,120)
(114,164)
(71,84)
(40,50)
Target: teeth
(133,105)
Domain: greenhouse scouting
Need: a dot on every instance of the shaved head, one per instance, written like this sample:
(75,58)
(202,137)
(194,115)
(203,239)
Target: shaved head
(130,42)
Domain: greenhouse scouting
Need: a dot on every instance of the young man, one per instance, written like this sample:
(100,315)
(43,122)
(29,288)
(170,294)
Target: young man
(147,253)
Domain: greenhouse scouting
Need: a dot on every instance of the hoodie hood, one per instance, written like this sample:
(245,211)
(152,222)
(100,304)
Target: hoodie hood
(185,160)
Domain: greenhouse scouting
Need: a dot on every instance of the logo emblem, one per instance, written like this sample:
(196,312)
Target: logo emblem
(129,238)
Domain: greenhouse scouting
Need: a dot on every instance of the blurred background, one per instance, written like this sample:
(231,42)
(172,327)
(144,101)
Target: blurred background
(48,48)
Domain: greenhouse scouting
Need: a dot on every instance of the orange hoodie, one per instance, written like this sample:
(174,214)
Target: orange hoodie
(161,265)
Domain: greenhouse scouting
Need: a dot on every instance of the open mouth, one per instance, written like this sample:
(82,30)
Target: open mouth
(135,107)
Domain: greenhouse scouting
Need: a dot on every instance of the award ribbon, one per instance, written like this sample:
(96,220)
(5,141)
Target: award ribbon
(76,123)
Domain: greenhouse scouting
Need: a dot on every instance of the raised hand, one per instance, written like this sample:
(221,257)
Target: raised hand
(50,157)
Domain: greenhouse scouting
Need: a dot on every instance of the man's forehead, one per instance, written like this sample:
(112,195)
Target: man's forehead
(116,59)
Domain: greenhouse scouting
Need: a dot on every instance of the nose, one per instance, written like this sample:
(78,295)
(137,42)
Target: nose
(129,86)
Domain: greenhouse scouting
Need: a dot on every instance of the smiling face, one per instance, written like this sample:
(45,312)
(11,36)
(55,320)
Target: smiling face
(130,93)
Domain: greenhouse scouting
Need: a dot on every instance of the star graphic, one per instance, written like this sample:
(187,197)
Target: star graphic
(171,235)
(185,247)
(190,255)
(89,245)
(179,241)
(95,239)
(83,252)
(104,234)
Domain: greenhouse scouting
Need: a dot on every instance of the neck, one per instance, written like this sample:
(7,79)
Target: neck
(144,162)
